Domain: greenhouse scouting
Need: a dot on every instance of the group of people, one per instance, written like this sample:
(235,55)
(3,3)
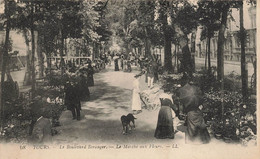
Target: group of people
(196,131)
(150,69)
(76,89)
(170,112)
(122,63)
(170,105)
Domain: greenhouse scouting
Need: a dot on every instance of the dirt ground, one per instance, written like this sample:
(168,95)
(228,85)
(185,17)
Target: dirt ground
(100,118)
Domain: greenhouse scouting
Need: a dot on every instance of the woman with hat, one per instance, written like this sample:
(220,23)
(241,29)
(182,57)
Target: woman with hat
(165,127)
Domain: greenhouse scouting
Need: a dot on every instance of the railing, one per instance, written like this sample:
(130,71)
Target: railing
(246,49)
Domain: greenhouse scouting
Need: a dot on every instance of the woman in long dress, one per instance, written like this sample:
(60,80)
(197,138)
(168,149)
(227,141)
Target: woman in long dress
(83,89)
(165,127)
(136,101)
(90,77)
(191,98)
(196,127)
(116,62)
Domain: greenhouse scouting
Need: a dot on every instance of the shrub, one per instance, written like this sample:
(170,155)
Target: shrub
(237,116)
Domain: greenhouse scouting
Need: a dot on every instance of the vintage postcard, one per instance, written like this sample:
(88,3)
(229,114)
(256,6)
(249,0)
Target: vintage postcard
(129,79)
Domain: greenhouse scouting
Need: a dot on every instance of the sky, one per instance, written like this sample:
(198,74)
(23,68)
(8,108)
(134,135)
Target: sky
(1,6)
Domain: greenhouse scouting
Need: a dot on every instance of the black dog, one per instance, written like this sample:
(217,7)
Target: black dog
(131,119)
(126,120)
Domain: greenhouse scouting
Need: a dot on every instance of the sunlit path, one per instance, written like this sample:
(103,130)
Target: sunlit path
(110,99)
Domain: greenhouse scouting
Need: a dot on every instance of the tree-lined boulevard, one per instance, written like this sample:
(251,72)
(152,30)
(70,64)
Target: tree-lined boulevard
(88,63)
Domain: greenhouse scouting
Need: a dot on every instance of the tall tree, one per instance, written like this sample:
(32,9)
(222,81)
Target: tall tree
(33,50)
(146,24)
(95,24)
(221,39)
(185,20)
(164,10)
(209,16)
(244,73)
(25,19)
(5,57)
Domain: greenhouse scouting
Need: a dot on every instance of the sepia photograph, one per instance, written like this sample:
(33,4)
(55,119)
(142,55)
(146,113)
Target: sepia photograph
(129,79)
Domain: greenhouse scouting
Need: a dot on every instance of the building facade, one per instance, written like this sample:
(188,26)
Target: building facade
(232,45)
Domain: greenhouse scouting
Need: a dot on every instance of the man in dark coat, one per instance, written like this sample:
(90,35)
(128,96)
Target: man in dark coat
(72,99)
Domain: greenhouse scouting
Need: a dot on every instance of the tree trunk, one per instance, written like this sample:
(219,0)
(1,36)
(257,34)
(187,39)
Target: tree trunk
(220,55)
(48,62)
(97,50)
(221,41)
(209,62)
(244,73)
(187,62)
(27,76)
(147,45)
(167,53)
(94,50)
(33,53)
(175,59)
(40,55)
(4,62)
(199,50)
(62,62)
(140,51)
(206,56)
(167,46)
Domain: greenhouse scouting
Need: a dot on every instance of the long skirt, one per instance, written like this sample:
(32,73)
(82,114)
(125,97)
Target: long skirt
(164,127)
(136,101)
(90,80)
(196,128)
(116,66)
(85,94)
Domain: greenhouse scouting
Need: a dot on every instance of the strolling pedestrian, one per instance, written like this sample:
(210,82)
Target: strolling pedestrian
(165,128)
(90,73)
(190,97)
(150,75)
(136,100)
(122,62)
(116,62)
(83,86)
(110,60)
(129,68)
(72,99)
(125,65)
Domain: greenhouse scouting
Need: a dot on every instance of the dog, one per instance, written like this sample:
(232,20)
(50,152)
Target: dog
(126,122)
(131,119)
